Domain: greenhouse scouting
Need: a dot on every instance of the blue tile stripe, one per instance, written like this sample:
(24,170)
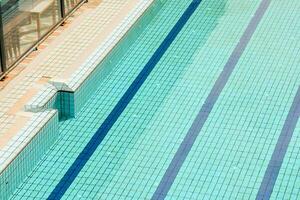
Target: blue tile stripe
(271,174)
(187,143)
(95,141)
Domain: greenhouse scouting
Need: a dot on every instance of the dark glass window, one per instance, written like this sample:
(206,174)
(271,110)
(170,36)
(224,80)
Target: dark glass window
(24,23)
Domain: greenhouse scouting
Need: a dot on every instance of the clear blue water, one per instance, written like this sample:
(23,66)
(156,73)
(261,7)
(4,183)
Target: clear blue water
(231,154)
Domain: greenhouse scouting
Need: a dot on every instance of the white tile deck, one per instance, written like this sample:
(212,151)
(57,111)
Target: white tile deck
(66,63)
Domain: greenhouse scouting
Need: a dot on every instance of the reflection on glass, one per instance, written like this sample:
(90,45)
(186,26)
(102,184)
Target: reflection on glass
(25,22)
(1,66)
(70,4)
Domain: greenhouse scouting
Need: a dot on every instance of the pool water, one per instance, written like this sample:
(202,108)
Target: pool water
(230,155)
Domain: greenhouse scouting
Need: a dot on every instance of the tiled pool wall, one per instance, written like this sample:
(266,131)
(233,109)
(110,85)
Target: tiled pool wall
(70,102)
(25,161)
(67,104)
(85,90)
(64,103)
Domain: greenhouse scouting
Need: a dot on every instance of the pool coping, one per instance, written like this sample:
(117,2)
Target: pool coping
(39,112)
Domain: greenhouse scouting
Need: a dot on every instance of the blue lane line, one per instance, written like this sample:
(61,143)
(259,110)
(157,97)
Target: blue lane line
(95,141)
(271,174)
(187,143)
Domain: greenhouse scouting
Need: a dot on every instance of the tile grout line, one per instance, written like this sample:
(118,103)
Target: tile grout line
(272,171)
(187,143)
(95,141)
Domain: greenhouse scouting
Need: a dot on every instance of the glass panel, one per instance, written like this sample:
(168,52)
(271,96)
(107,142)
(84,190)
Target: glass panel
(70,4)
(25,22)
(1,68)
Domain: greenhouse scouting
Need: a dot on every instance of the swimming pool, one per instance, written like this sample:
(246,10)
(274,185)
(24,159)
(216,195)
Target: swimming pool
(194,109)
